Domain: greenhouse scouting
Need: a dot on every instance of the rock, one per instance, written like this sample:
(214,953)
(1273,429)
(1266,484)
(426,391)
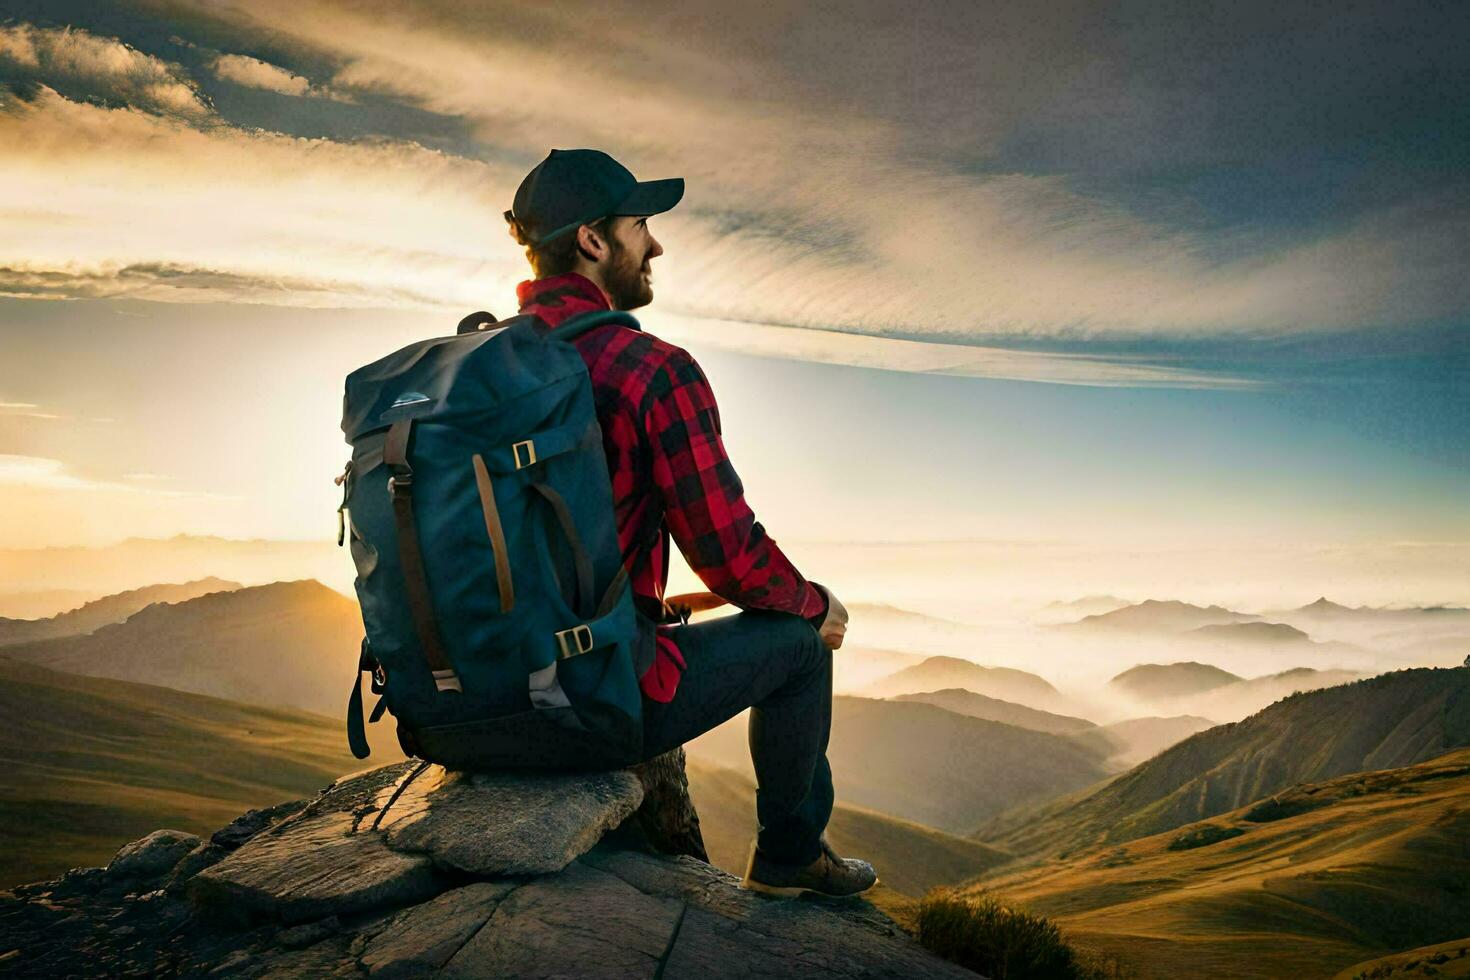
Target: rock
(153,855)
(508,824)
(316,867)
(302,936)
(579,923)
(424,937)
(252,822)
(234,963)
(468,876)
(727,932)
(203,856)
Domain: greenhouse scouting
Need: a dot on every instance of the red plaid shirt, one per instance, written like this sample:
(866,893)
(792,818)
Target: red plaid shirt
(661,433)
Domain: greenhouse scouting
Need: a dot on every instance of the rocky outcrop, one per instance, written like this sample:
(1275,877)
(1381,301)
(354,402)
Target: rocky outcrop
(462,876)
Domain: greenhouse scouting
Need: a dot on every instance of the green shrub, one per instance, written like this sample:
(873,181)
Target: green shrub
(1203,836)
(1003,943)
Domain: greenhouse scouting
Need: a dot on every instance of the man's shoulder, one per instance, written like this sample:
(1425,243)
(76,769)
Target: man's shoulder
(623,355)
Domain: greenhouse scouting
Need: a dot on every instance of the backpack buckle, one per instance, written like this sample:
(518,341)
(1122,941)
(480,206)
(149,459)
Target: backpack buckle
(580,638)
(515,450)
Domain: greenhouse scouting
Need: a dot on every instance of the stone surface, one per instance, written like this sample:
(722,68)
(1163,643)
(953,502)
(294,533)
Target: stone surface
(826,937)
(252,822)
(579,923)
(315,867)
(312,890)
(153,855)
(508,824)
(423,938)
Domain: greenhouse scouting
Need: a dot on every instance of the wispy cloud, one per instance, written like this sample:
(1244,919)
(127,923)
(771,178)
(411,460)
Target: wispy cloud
(923,357)
(815,202)
(84,64)
(254,73)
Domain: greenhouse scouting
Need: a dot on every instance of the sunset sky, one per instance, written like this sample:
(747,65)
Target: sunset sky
(1057,271)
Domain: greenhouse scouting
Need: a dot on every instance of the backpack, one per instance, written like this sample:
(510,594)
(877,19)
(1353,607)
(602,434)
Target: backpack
(499,620)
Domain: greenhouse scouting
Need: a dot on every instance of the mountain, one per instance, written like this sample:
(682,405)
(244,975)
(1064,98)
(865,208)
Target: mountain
(288,644)
(882,610)
(1395,719)
(1324,608)
(1165,682)
(1249,696)
(93,763)
(106,611)
(41,603)
(1088,604)
(925,764)
(1172,616)
(855,668)
(910,857)
(941,673)
(1263,633)
(1138,739)
(1321,876)
(136,562)
(969,703)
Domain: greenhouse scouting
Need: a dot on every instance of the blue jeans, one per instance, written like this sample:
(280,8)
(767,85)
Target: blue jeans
(775,664)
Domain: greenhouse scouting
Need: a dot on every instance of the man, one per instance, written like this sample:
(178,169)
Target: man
(583,218)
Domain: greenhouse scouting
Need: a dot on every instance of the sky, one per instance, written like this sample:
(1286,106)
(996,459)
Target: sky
(1130,274)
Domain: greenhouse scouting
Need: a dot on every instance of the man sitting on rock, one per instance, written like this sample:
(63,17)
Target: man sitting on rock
(583,219)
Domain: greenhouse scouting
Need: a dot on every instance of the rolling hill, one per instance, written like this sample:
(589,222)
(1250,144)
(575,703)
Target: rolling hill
(1138,739)
(969,703)
(1319,878)
(1266,634)
(1168,682)
(1163,616)
(923,763)
(289,644)
(1395,719)
(105,611)
(855,668)
(910,857)
(91,764)
(942,673)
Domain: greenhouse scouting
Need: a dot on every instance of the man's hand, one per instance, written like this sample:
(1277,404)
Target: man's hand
(834,625)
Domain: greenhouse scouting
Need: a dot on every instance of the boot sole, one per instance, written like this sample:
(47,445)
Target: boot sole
(793,891)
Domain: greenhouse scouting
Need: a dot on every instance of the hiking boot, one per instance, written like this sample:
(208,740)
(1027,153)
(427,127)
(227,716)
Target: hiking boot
(827,875)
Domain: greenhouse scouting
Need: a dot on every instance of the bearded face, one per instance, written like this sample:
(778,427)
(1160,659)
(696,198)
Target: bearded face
(628,277)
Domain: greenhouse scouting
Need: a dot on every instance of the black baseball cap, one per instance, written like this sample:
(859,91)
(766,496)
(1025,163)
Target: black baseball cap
(574,187)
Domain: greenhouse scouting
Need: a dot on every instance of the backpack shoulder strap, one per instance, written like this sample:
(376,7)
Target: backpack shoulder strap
(584,322)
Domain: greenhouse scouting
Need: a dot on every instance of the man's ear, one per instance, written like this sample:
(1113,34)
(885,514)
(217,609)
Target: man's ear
(593,246)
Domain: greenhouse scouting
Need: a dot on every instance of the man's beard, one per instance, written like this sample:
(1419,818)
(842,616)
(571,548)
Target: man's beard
(624,282)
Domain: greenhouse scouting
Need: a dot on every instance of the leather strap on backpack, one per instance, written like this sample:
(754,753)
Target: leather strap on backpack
(411,558)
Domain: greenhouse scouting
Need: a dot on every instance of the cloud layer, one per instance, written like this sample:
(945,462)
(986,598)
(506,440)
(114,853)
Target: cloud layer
(924,183)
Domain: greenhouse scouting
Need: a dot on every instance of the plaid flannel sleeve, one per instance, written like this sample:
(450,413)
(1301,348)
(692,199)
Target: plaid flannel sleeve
(705,502)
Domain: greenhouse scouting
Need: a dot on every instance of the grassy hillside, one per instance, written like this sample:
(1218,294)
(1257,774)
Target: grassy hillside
(1392,720)
(929,765)
(91,764)
(106,611)
(1322,877)
(910,857)
(289,644)
(942,673)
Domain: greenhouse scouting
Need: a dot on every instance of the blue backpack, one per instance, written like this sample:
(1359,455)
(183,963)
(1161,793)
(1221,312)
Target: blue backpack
(500,625)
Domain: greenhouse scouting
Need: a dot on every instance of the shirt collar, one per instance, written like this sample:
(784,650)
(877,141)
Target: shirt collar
(558,298)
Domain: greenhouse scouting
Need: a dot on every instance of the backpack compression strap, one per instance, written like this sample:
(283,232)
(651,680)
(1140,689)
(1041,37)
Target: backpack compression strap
(411,559)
